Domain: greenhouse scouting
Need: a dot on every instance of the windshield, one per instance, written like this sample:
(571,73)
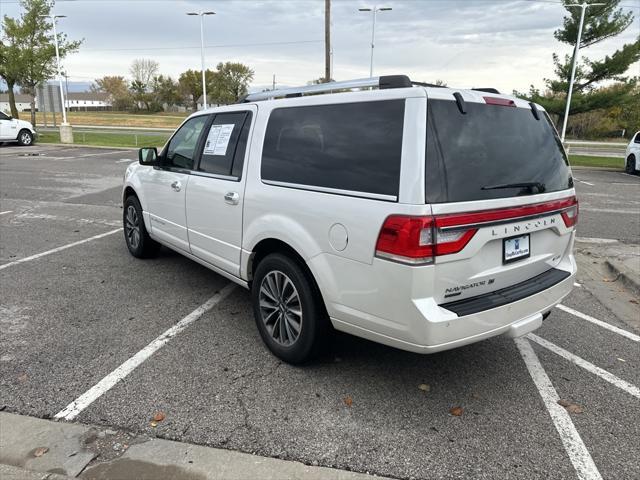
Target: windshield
(469,155)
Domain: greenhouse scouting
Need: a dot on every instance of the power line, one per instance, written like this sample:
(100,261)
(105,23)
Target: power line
(232,45)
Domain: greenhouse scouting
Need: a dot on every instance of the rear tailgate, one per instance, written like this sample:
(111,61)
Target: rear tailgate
(501,193)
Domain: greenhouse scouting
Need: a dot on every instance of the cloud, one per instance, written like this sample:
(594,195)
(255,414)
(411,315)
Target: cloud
(502,43)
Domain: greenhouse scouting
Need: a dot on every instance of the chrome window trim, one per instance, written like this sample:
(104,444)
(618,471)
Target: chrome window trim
(199,173)
(335,191)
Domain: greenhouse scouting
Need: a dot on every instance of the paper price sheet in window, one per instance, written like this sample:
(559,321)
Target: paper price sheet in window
(218,139)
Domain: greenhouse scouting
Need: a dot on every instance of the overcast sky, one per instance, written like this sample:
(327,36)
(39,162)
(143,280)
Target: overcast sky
(505,44)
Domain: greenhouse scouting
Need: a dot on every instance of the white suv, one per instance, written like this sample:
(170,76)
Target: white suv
(12,130)
(632,155)
(420,217)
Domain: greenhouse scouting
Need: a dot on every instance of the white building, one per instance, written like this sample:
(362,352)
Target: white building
(87,101)
(23,102)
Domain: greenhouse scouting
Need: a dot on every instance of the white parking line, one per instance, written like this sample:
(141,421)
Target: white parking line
(123,160)
(586,183)
(6,211)
(596,240)
(72,410)
(600,323)
(573,444)
(590,367)
(59,249)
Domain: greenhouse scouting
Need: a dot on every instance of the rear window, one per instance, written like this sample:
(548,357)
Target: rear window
(490,146)
(348,146)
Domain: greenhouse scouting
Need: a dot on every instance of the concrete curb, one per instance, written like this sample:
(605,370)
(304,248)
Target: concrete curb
(627,276)
(89,452)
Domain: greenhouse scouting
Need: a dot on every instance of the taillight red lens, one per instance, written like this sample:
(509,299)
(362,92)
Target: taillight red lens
(405,238)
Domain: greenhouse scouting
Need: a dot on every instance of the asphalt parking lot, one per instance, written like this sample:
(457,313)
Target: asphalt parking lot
(70,318)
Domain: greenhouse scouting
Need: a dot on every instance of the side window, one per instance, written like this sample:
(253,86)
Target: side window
(348,146)
(226,144)
(3,116)
(182,147)
(637,140)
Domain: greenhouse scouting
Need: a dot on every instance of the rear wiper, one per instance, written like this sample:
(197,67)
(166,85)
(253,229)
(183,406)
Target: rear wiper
(530,185)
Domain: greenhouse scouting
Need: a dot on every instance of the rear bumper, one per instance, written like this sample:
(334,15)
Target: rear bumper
(421,325)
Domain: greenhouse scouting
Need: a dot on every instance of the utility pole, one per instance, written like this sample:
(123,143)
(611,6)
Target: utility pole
(327,40)
(204,83)
(576,50)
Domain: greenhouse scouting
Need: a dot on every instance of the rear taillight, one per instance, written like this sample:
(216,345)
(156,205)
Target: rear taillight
(570,215)
(417,240)
(406,239)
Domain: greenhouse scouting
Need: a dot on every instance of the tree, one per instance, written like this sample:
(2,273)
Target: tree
(117,89)
(600,23)
(232,82)
(190,85)
(30,48)
(165,91)
(10,70)
(143,70)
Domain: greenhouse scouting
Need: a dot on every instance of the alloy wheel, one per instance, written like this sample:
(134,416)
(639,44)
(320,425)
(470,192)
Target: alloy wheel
(132,227)
(280,308)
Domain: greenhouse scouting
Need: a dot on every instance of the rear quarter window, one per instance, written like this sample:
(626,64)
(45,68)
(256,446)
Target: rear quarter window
(350,146)
(490,145)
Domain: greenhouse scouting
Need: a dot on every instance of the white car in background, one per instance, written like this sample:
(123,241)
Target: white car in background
(633,155)
(14,130)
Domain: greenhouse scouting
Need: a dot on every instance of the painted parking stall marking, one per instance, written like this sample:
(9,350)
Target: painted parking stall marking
(72,410)
(5,212)
(588,318)
(576,450)
(58,249)
(590,367)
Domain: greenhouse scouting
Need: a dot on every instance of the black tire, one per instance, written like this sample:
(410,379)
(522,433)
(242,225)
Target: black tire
(313,324)
(630,166)
(25,138)
(138,241)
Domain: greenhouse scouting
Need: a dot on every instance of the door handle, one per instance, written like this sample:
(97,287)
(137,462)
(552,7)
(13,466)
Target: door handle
(232,198)
(176,186)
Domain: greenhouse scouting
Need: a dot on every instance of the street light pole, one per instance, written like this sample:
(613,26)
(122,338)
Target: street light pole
(55,38)
(576,50)
(374,11)
(204,83)
(66,132)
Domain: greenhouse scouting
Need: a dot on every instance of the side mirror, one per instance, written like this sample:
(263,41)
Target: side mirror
(148,156)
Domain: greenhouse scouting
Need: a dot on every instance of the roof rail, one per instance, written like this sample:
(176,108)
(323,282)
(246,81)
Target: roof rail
(383,82)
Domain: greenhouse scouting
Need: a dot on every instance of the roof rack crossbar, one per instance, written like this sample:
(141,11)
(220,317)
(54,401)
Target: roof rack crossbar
(391,81)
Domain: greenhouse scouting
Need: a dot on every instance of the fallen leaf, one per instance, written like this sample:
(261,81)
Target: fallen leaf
(154,424)
(456,411)
(424,387)
(348,401)
(571,407)
(159,416)
(633,300)
(621,359)
(38,452)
